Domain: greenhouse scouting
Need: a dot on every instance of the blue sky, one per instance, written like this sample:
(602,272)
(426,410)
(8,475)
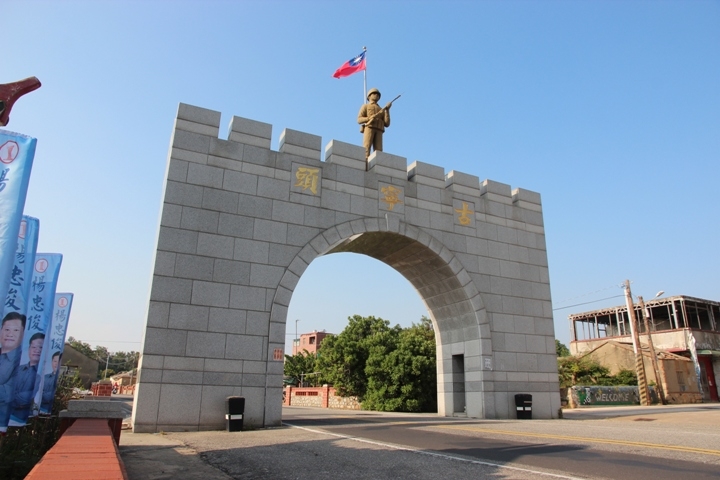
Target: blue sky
(611,110)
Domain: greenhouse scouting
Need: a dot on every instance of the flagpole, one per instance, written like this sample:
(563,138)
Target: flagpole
(365,76)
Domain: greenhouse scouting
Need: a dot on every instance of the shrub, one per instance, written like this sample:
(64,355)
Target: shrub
(22,447)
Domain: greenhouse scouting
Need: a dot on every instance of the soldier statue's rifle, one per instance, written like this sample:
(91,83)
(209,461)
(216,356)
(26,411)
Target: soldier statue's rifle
(382,110)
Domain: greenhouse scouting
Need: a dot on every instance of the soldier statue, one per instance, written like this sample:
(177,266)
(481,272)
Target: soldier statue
(373,120)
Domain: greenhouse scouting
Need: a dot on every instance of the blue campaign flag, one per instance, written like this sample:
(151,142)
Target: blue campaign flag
(17,153)
(14,313)
(40,309)
(19,289)
(54,350)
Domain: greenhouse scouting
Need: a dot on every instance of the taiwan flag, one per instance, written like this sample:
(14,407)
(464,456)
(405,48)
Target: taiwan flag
(354,65)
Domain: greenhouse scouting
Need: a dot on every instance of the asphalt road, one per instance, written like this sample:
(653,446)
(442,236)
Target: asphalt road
(619,443)
(633,446)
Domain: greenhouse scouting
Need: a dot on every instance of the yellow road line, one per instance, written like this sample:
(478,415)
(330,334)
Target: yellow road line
(584,439)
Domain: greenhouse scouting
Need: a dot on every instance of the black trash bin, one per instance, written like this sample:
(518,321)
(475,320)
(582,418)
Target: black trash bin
(234,410)
(523,406)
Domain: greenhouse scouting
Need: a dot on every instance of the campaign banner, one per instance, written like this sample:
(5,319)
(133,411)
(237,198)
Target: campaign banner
(53,359)
(14,312)
(17,153)
(19,289)
(40,309)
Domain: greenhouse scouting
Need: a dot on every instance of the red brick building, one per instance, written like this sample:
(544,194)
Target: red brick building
(309,341)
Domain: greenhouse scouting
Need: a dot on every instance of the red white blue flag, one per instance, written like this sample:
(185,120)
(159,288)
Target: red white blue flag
(354,65)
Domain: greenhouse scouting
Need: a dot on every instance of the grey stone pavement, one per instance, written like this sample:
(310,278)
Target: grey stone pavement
(298,453)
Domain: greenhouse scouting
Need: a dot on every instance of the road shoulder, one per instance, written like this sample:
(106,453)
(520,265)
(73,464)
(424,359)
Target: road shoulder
(157,456)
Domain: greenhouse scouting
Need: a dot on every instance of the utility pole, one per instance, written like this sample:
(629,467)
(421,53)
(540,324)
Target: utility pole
(658,379)
(132,372)
(639,364)
(107,363)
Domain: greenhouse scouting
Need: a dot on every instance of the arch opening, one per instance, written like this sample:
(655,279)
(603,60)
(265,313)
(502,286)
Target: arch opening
(453,304)
(335,287)
(433,279)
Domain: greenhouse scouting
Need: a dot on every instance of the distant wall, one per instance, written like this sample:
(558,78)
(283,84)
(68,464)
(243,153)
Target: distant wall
(321,397)
(607,396)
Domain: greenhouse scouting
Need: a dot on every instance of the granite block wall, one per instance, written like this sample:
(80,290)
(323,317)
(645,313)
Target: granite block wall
(240,224)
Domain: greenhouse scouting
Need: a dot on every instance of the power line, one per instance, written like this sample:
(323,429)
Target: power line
(589,293)
(109,341)
(586,303)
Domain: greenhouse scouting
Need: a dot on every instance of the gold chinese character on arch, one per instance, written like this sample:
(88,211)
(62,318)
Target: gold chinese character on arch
(307,178)
(391,196)
(464,214)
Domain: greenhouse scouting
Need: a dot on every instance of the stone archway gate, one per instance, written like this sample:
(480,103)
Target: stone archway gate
(240,224)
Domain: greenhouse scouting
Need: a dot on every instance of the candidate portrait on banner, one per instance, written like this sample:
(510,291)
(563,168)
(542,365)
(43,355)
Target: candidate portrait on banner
(55,343)
(28,379)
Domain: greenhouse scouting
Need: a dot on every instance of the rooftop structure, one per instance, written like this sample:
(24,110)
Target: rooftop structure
(669,313)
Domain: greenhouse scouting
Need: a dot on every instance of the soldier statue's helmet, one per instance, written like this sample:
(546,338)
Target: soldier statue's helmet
(374,90)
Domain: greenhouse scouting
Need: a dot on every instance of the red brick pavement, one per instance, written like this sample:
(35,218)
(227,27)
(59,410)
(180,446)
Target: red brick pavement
(86,451)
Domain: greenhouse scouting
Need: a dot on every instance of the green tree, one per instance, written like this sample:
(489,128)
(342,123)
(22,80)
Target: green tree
(585,371)
(387,368)
(343,357)
(300,365)
(117,362)
(580,371)
(123,361)
(81,347)
(401,372)
(561,350)
(623,377)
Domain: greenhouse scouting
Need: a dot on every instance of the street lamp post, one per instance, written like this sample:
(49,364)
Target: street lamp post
(296,344)
(658,379)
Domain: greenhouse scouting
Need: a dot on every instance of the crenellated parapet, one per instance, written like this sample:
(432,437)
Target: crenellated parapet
(423,185)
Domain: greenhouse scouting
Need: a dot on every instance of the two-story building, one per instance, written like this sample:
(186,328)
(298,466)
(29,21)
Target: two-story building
(309,341)
(685,326)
